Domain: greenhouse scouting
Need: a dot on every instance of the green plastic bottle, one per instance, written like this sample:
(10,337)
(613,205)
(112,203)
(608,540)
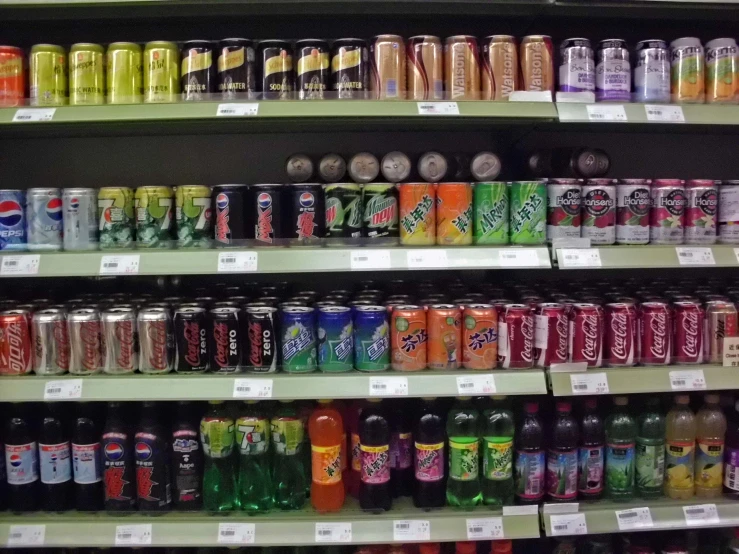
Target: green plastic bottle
(288,471)
(252,436)
(650,451)
(219,476)
(620,445)
(463,430)
(497,453)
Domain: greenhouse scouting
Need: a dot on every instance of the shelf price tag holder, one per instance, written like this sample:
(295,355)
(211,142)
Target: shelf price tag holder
(692,379)
(369,259)
(695,255)
(388,386)
(518,257)
(237,110)
(427,258)
(568,524)
(405,530)
(485,528)
(237,262)
(731,351)
(634,518)
(127,264)
(26,535)
(133,535)
(333,532)
(66,389)
(253,388)
(29,115)
(438,108)
(26,264)
(589,383)
(701,514)
(236,533)
(606,112)
(664,113)
(476,384)
(579,257)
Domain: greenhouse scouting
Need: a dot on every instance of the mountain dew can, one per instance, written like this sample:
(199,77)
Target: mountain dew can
(154,216)
(528,212)
(194,216)
(343,210)
(115,216)
(380,211)
(299,353)
(335,341)
(371,338)
(490,213)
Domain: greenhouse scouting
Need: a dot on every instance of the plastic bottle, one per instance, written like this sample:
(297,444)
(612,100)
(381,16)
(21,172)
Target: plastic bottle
(710,431)
(305,409)
(733,546)
(463,430)
(680,449)
(429,457)
(731,473)
(252,437)
(374,443)
(55,460)
(87,462)
(562,456)
(620,450)
(3,471)
(219,476)
(326,430)
(354,475)
(187,460)
(650,451)
(497,453)
(501,547)
(591,457)
(466,547)
(429,548)
(153,481)
(401,449)
(288,472)
(21,460)
(530,457)
(119,467)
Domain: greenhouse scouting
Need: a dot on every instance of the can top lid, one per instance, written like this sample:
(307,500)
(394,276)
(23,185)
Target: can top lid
(7,47)
(493,37)
(297,310)
(304,40)
(350,39)
(86,46)
(275,42)
(235,38)
(719,42)
(334,309)
(231,185)
(47,47)
(190,309)
(371,309)
(685,41)
(126,45)
(194,42)
(166,44)
(266,185)
(479,305)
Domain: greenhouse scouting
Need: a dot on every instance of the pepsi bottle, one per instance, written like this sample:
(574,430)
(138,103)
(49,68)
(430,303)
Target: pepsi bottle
(3,472)
(152,462)
(187,460)
(55,460)
(86,461)
(119,471)
(21,460)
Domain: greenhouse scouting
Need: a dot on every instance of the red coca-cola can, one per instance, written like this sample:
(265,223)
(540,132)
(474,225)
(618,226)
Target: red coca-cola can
(655,324)
(688,332)
(15,343)
(516,337)
(586,334)
(550,334)
(621,334)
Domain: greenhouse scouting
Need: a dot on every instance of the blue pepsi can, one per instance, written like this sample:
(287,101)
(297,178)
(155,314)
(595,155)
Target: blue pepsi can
(298,332)
(335,339)
(44,218)
(12,220)
(371,338)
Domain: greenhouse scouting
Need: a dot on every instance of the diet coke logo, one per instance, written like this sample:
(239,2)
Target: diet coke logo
(192,337)
(157,332)
(658,325)
(692,330)
(590,332)
(124,334)
(61,338)
(619,327)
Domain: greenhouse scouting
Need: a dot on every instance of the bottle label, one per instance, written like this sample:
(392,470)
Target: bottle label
(217,437)
(650,465)
(252,434)
(429,462)
(152,469)
(22,463)
(187,466)
(3,474)
(87,466)
(530,468)
(497,460)
(464,460)
(55,463)
(356,453)
(731,476)
(709,463)
(287,435)
(562,474)
(118,467)
(680,464)
(620,466)
(401,450)
(326,464)
(590,460)
(375,464)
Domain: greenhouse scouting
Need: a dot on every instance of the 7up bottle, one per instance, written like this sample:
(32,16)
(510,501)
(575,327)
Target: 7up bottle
(194,216)
(154,216)
(115,217)
(380,219)
(343,210)
(490,201)
(528,212)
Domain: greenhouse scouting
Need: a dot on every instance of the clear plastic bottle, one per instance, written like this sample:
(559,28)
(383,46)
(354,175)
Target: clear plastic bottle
(710,427)
(463,430)
(219,476)
(620,447)
(252,439)
(287,468)
(497,453)
(650,451)
(680,449)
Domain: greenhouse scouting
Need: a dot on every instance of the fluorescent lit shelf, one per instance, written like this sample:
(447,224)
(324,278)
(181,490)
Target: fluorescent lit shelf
(649,256)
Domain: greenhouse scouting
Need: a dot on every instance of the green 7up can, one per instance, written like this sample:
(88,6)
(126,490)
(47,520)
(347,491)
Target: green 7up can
(154,216)
(528,212)
(194,216)
(490,213)
(115,216)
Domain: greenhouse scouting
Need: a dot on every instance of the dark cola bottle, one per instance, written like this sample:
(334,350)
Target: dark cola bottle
(119,470)
(187,459)
(21,457)
(55,459)
(151,449)
(86,460)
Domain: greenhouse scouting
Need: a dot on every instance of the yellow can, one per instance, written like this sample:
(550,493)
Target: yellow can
(86,74)
(688,71)
(722,71)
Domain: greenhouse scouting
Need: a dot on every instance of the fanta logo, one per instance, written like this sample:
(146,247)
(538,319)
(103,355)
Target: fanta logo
(265,200)
(10,213)
(143,451)
(307,200)
(54,209)
(114,451)
(15,460)
(222,201)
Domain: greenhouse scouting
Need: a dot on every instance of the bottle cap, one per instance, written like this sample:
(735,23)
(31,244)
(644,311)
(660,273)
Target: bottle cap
(499,397)
(564,406)
(324,401)
(621,400)
(501,547)
(533,407)
(429,548)
(251,401)
(682,399)
(214,402)
(711,398)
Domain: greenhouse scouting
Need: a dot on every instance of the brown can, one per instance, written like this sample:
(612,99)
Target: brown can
(425,68)
(499,67)
(462,67)
(444,328)
(387,53)
(537,63)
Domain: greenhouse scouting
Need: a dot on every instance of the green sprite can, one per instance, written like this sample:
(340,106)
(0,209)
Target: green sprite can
(125,73)
(380,219)
(298,328)
(86,74)
(153,208)
(528,212)
(194,216)
(490,205)
(47,77)
(161,72)
(371,338)
(115,214)
(343,210)
(335,340)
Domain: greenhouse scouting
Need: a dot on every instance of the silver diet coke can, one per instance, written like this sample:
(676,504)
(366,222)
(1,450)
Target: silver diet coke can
(156,340)
(85,341)
(120,349)
(50,342)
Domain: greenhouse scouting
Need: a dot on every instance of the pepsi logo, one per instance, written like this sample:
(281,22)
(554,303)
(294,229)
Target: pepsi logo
(15,460)
(307,200)
(113,451)
(143,451)
(11,213)
(74,203)
(222,201)
(54,209)
(54,458)
(264,200)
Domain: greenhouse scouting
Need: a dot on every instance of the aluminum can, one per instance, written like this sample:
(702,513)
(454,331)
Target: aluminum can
(564,198)
(516,337)
(652,72)
(667,218)
(417,214)
(633,201)
(16,357)
(395,167)
(230,227)
(586,334)
(299,168)
(551,334)
(307,213)
(479,336)
(198,74)
(722,71)
(701,211)
(425,68)
(276,76)
(335,339)
(499,67)
(193,216)
(537,63)
(332,168)
(599,211)
(688,324)
(621,334)
(116,217)
(264,211)
(85,339)
(191,340)
(161,72)
(156,340)
(528,212)
(44,219)
(13,220)
(387,59)
(261,334)
(153,208)
(613,71)
(236,67)
(688,71)
(728,213)
(119,340)
(444,324)
(313,68)
(462,67)
(371,338)
(432,167)
(363,167)
(655,323)
(299,348)
(225,340)
(12,76)
(721,322)
(380,219)
(485,166)
(491,206)
(577,66)
(454,214)
(343,210)
(125,73)
(50,336)
(86,74)
(408,338)
(80,223)
(47,75)
(350,68)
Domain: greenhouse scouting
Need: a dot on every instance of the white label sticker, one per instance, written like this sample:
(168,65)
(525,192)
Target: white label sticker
(731,351)
(237,110)
(476,384)
(236,533)
(518,257)
(237,262)
(579,257)
(692,379)
(589,383)
(701,514)
(67,389)
(333,532)
(606,112)
(736,253)
(25,115)
(26,535)
(670,114)
(485,528)
(252,388)
(27,264)
(531,510)
(370,259)
(133,535)
(388,386)
(568,524)
(411,530)
(438,108)
(120,265)
(541,332)
(502,338)
(634,518)
(530,96)
(427,258)
(695,256)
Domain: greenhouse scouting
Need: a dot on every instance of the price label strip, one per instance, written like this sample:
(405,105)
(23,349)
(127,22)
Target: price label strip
(695,256)
(20,265)
(388,386)
(667,114)
(634,518)
(29,115)
(370,259)
(253,388)
(333,532)
(26,535)
(579,257)
(518,257)
(237,110)
(405,530)
(485,528)
(427,258)
(700,515)
(606,112)
(568,524)
(120,265)
(731,351)
(438,108)
(476,384)
(133,535)
(692,379)
(236,533)
(66,389)
(589,383)
(237,262)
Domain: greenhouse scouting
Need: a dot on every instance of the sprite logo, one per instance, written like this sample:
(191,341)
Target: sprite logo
(380,211)
(418,214)
(462,221)
(378,348)
(492,218)
(343,349)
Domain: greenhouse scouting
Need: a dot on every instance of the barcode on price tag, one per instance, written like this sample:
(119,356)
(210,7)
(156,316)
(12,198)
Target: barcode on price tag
(333,532)
(695,256)
(701,514)
(120,265)
(589,383)
(427,258)
(370,259)
(67,389)
(411,530)
(388,386)
(579,257)
(518,257)
(438,108)
(237,110)
(476,384)
(634,518)
(26,115)
(133,535)
(26,535)
(237,262)
(27,264)
(252,388)
(731,351)
(485,528)
(670,114)
(606,112)
(692,379)
(236,533)
(568,524)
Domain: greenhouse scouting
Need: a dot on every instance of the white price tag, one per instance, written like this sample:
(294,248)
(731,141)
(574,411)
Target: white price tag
(25,115)
(26,264)
(568,524)
(579,257)
(67,389)
(438,108)
(669,114)
(26,535)
(133,535)
(237,262)
(695,256)
(692,379)
(388,386)
(606,112)
(541,331)
(333,532)
(731,351)
(370,259)
(411,530)
(530,96)
(427,258)
(518,257)
(476,384)
(634,518)
(701,514)
(237,110)
(120,265)
(502,338)
(531,510)
(252,388)
(485,528)
(589,383)
(236,533)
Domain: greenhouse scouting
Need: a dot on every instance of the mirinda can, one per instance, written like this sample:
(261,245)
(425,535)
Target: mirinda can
(454,214)
(408,338)
(462,67)
(12,76)
(417,214)
(537,63)
(444,336)
(479,336)
(425,68)
(499,67)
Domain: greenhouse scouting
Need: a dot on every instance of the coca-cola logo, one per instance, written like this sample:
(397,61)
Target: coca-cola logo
(619,338)
(125,336)
(674,202)
(527,332)
(569,201)
(691,326)
(658,325)
(61,338)
(90,335)
(17,353)
(598,202)
(707,202)
(220,337)
(157,332)
(561,327)
(192,337)
(637,201)
(590,333)
(255,342)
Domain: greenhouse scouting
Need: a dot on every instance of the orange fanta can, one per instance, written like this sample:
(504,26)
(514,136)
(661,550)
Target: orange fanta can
(445,336)
(479,336)
(417,214)
(408,338)
(454,214)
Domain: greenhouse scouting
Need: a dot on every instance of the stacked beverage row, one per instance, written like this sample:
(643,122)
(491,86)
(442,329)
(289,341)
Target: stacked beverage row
(386,67)
(675,541)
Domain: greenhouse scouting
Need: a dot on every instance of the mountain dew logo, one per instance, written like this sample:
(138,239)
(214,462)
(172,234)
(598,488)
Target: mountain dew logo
(380,211)
(334,212)
(462,221)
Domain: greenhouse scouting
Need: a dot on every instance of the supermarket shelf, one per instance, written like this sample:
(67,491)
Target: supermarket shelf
(274,529)
(657,256)
(695,114)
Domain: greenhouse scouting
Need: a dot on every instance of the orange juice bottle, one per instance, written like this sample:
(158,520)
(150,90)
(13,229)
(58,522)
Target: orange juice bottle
(326,431)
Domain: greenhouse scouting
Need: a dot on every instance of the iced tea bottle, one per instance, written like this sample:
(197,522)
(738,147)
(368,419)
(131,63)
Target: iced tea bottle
(326,430)
(680,453)
(710,425)
(463,430)
(620,450)
(650,451)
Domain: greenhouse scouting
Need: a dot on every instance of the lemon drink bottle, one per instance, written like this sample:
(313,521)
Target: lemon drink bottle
(680,453)
(710,425)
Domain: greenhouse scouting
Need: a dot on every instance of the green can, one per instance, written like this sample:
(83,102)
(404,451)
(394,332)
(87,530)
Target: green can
(343,210)
(299,349)
(86,74)
(47,77)
(380,219)
(154,216)
(371,338)
(194,216)
(115,214)
(125,73)
(490,206)
(161,72)
(335,340)
(528,212)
